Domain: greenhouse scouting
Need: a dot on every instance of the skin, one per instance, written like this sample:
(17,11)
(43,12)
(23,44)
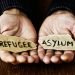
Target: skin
(68,56)
(19,25)
(60,22)
(13,22)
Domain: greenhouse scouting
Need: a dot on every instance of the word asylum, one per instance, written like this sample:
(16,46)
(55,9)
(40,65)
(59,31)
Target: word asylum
(15,44)
(54,43)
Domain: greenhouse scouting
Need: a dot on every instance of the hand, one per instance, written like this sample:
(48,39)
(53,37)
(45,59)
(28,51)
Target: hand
(60,22)
(13,22)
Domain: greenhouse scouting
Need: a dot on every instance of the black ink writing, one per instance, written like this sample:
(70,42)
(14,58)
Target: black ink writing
(15,44)
(54,43)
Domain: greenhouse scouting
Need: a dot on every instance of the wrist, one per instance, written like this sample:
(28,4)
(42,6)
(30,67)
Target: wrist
(12,11)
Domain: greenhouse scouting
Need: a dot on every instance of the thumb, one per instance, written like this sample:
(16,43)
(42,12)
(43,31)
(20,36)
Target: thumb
(27,29)
(73,31)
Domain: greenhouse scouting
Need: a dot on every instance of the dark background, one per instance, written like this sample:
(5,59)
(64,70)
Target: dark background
(37,69)
(40,10)
(41,7)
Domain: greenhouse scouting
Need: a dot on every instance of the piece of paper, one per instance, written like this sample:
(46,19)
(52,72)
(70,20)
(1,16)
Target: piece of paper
(15,44)
(57,42)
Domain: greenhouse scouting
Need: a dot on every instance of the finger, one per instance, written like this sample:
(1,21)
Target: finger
(58,53)
(30,59)
(55,59)
(7,57)
(36,58)
(20,58)
(33,52)
(68,56)
(46,59)
(25,54)
(34,55)
(41,52)
(49,53)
